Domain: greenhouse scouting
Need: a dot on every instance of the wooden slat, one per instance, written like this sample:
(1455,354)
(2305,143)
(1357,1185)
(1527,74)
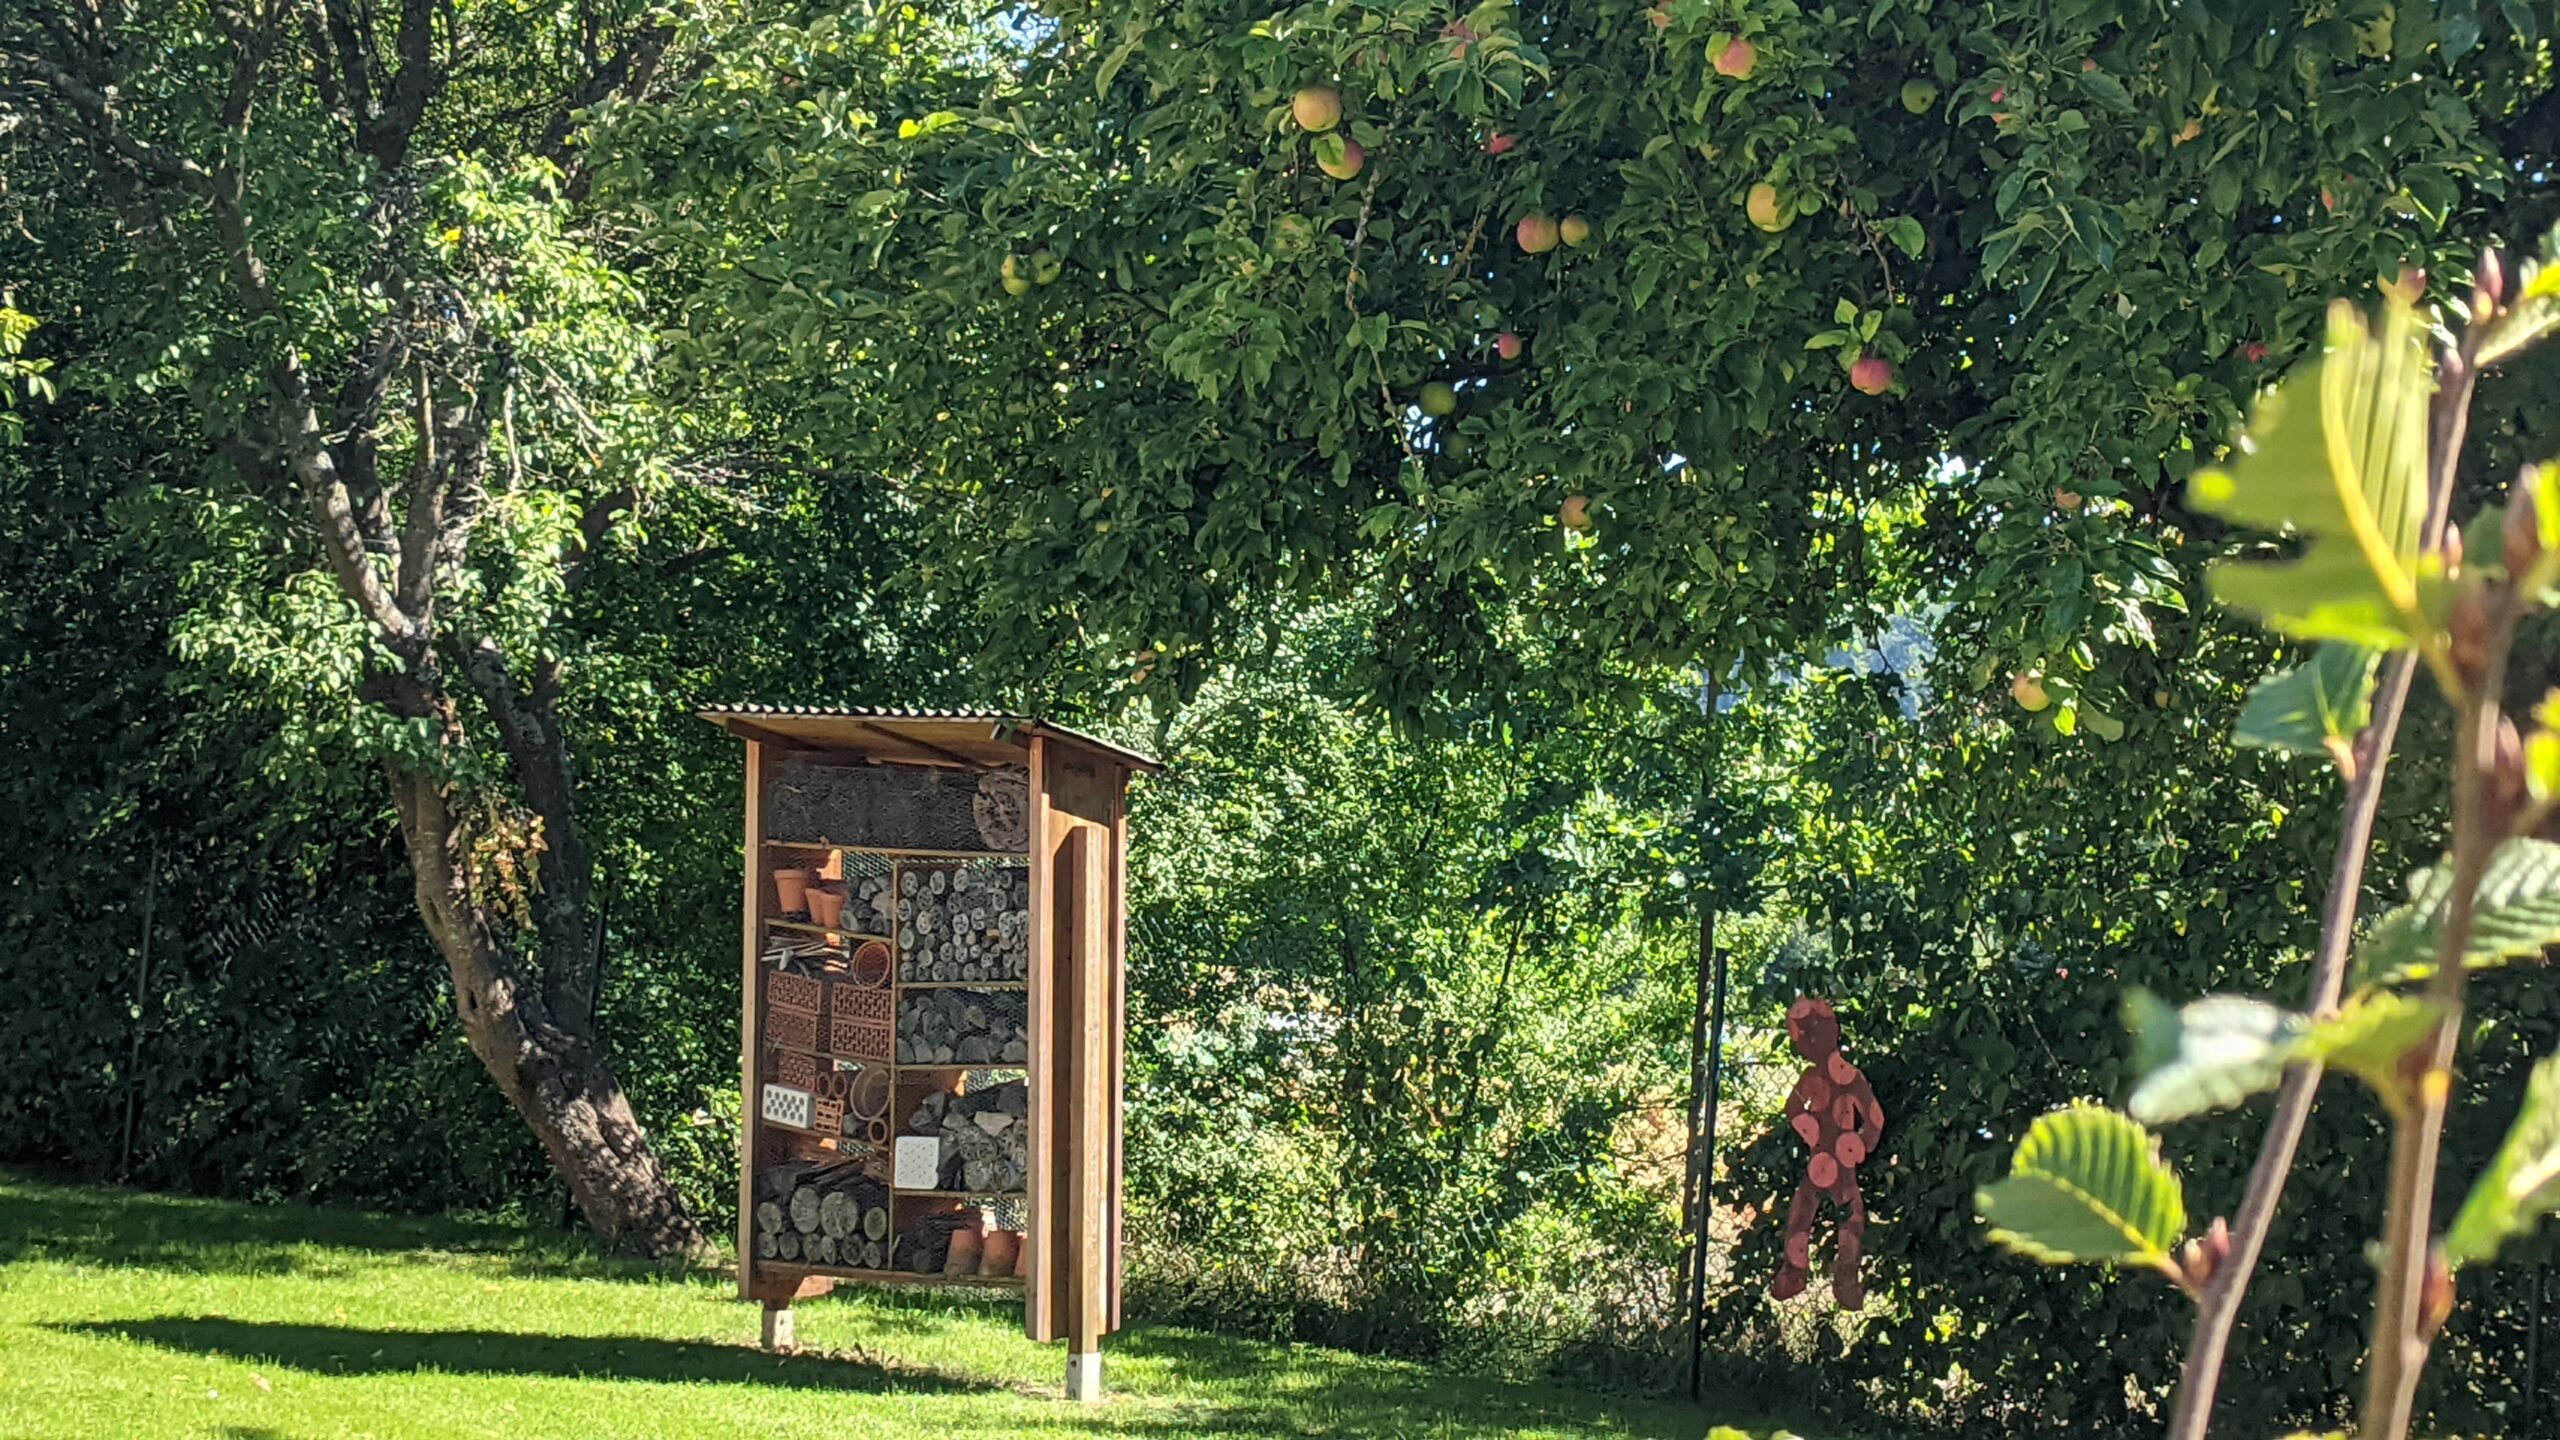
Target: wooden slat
(1039,1309)
(751,1009)
(755,735)
(1090,1125)
(1118,1050)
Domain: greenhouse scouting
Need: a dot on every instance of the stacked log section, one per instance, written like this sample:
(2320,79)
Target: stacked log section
(985,1135)
(822,1214)
(964,1027)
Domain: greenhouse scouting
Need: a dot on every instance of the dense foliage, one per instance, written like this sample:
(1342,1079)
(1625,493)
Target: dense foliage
(1418,1007)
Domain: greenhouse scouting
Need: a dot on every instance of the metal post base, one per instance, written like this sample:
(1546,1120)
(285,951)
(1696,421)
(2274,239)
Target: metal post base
(1084,1376)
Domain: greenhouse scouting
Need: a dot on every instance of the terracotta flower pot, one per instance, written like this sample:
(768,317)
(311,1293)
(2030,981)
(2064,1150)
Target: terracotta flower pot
(791,889)
(826,905)
(997,1253)
(963,1257)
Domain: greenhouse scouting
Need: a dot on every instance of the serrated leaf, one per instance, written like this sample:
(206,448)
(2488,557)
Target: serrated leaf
(2087,1184)
(2208,1054)
(2315,708)
(2522,1183)
(2370,1039)
(2337,453)
(2516,916)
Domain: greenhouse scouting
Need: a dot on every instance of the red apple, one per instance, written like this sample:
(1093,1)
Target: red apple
(1498,143)
(1508,345)
(2028,690)
(1872,375)
(1575,512)
(1537,234)
(1735,60)
(1353,157)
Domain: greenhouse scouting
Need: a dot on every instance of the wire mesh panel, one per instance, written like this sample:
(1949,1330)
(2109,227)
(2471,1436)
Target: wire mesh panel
(895,806)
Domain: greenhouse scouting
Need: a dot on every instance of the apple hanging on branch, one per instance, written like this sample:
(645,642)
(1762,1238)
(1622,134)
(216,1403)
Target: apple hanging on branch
(1761,204)
(1340,156)
(1537,234)
(1317,108)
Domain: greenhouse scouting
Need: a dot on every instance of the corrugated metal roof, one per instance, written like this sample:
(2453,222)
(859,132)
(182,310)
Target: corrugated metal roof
(893,719)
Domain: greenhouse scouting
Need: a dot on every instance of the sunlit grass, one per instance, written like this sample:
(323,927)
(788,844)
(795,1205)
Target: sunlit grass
(124,1314)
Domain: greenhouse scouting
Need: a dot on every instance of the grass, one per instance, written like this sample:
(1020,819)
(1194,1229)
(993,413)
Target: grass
(138,1315)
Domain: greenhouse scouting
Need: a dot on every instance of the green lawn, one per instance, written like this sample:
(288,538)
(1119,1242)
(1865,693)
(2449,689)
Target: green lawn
(124,1314)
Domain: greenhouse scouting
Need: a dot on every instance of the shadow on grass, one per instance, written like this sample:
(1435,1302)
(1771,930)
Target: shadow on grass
(88,1225)
(348,1350)
(1258,1389)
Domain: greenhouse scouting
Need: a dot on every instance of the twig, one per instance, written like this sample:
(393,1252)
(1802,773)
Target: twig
(1351,302)
(2219,1307)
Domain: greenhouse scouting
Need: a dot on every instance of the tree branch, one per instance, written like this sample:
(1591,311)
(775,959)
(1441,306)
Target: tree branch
(105,128)
(627,73)
(529,728)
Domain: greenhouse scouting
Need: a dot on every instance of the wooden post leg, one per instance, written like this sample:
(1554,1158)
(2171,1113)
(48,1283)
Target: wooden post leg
(1084,1375)
(779,1333)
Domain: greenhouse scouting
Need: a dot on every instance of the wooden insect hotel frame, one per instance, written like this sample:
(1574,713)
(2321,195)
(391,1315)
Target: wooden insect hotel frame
(934,1011)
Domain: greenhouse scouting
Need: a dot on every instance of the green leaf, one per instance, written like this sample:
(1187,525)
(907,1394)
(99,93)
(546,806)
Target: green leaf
(2522,1183)
(2209,1054)
(2107,90)
(2087,1184)
(2516,916)
(2337,452)
(2370,1039)
(2314,708)
(1906,235)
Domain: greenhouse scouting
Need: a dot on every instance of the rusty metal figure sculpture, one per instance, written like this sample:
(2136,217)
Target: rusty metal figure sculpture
(1834,1110)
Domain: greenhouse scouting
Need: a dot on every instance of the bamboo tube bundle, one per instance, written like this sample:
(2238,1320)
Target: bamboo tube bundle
(964,923)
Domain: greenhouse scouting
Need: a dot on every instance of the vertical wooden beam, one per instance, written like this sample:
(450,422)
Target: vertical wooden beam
(750,1015)
(1040,1302)
(780,1333)
(1089,1037)
(1119,1038)
(1058,1219)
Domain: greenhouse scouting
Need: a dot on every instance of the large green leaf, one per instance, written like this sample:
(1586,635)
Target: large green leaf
(2371,1039)
(2314,708)
(2336,453)
(2522,1183)
(2209,1054)
(2515,916)
(2087,1184)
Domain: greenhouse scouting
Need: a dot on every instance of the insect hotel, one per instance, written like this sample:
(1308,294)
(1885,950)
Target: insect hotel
(933,1012)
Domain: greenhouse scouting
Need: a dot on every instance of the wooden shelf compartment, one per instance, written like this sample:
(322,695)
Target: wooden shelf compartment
(803,927)
(892,852)
(792,1270)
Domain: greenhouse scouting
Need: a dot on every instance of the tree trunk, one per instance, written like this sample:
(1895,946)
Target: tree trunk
(547,1065)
